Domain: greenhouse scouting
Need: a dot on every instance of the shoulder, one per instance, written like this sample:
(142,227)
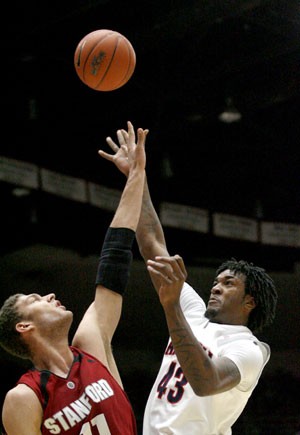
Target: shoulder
(250,356)
(19,394)
(21,408)
(21,398)
(239,340)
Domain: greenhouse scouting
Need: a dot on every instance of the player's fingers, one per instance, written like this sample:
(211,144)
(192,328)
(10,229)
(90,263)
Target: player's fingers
(142,136)
(121,138)
(174,263)
(181,264)
(112,144)
(158,274)
(125,135)
(124,149)
(106,155)
(124,139)
(131,133)
(164,268)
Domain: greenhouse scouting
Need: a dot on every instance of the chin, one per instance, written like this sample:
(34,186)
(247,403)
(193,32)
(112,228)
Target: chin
(210,313)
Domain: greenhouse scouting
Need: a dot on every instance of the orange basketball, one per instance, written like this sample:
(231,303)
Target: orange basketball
(104,60)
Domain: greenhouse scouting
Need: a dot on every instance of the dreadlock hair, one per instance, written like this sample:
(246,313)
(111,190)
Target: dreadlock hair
(10,339)
(259,285)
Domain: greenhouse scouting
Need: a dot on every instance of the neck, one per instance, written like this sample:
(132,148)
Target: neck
(57,359)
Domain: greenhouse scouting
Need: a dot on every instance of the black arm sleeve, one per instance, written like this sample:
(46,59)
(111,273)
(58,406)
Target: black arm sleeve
(115,259)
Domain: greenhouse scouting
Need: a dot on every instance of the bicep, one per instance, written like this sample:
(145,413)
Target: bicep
(215,376)
(227,375)
(97,327)
(22,412)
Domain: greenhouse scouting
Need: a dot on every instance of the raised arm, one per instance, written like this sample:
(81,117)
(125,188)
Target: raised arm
(149,233)
(168,274)
(206,375)
(99,323)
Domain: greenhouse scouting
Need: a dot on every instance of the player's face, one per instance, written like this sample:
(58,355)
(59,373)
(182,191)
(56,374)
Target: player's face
(228,303)
(43,311)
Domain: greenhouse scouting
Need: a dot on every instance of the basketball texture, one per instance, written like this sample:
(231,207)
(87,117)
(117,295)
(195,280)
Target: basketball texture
(104,60)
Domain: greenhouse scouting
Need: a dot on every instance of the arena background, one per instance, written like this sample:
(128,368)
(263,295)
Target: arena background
(223,185)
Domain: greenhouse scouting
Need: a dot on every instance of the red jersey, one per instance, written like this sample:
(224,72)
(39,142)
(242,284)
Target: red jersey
(88,402)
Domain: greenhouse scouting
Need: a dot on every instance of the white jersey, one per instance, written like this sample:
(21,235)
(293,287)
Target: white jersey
(173,408)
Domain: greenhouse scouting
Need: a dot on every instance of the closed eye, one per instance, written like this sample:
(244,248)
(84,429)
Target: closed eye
(33,298)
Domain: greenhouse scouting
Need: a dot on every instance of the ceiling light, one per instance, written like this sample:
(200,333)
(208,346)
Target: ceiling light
(230,113)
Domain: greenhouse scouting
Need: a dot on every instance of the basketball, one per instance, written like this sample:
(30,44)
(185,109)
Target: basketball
(104,60)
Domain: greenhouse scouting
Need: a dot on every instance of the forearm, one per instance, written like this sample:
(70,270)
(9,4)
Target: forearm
(149,233)
(194,360)
(126,215)
(116,255)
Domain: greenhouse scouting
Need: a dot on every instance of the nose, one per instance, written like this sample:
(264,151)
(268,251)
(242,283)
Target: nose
(50,297)
(216,289)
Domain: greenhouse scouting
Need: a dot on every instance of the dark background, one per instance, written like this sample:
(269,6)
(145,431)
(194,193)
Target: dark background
(192,57)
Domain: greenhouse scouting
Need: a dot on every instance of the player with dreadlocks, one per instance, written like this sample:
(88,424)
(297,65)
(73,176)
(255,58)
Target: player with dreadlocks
(259,285)
(212,361)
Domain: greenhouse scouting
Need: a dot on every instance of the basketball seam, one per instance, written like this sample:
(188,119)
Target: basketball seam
(110,62)
(89,53)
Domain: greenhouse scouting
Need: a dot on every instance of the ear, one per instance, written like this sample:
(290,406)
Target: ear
(249,303)
(23,327)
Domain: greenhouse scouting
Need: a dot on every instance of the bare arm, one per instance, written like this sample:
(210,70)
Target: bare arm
(206,375)
(149,233)
(95,332)
(22,412)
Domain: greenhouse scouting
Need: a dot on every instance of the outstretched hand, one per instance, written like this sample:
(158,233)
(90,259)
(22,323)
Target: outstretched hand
(171,273)
(125,138)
